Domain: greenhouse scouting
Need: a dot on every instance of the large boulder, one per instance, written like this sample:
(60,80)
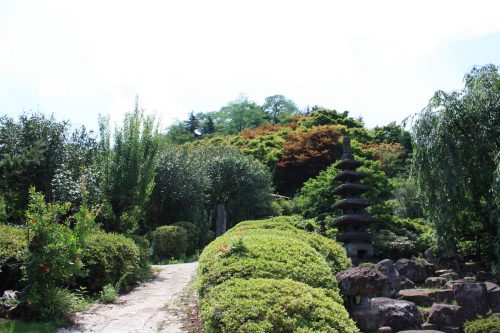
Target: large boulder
(387,268)
(406,283)
(493,291)
(446,315)
(362,281)
(398,314)
(412,269)
(472,297)
(441,295)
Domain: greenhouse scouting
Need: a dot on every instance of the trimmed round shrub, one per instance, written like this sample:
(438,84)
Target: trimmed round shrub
(108,258)
(269,305)
(193,236)
(255,254)
(169,242)
(487,325)
(13,255)
(333,252)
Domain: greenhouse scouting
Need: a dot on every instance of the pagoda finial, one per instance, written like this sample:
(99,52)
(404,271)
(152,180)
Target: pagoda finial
(347,154)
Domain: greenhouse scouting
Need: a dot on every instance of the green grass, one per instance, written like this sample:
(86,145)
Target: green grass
(17,326)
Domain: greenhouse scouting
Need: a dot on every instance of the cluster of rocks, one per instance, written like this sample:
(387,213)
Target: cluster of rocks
(385,299)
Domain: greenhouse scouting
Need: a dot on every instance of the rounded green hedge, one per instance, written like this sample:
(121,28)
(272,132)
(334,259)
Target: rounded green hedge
(255,254)
(13,255)
(169,242)
(269,305)
(193,236)
(333,252)
(108,257)
(486,325)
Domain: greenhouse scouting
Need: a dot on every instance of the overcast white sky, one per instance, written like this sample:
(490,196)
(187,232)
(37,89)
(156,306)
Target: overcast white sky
(381,60)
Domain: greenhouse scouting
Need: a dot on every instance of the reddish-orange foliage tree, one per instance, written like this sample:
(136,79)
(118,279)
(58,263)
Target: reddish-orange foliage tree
(305,154)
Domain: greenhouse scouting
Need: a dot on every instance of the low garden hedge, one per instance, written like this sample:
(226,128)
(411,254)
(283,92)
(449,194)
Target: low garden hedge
(109,257)
(270,305)
(255,254)
(169,242)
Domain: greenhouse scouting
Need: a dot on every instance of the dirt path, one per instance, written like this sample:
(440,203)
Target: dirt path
(147,309)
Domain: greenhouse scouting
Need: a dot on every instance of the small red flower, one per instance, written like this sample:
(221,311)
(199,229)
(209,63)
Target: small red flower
(41,265)
(33,221)
(29,302)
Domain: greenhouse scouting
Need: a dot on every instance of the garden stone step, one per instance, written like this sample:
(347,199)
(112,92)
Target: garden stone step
(424,297)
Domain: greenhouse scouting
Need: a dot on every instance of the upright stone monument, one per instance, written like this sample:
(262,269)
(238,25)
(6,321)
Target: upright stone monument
(354,222)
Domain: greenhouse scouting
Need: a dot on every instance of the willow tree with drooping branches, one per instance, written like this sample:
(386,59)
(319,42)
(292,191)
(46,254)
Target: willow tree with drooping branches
(456,158)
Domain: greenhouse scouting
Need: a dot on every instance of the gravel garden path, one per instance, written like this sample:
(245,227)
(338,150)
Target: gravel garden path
(151,307)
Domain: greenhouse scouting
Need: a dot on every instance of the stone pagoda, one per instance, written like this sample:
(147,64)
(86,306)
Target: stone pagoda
(354,222)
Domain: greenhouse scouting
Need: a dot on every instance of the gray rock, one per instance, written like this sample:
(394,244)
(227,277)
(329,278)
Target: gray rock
(496,314)
(435,282)
(493,291)
(360,281)
(387,268)
(423,297)
(418,296)
(442,295)
(398,314)
(472,297)
(412,269)
(446,315)
(384,329)
(406,283)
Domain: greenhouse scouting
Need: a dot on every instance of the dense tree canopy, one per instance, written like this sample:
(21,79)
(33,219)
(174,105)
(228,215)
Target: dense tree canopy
(456,157)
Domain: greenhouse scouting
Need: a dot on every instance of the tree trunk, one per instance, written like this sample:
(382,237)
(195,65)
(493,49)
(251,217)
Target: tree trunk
(220,220)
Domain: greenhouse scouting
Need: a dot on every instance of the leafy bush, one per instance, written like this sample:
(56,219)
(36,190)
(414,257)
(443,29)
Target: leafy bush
(169,242)
(268,305)
(145,254)
(52,304)
(108,293)
(259,254)
(193,236)
(108,258)
(333,252)
(13,255)
(487,325)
